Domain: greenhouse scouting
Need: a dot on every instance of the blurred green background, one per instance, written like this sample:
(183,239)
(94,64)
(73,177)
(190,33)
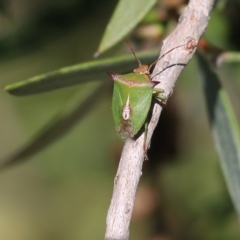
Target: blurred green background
(63,192)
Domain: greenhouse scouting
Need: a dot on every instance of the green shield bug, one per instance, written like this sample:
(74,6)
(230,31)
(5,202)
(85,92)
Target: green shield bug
(132,99)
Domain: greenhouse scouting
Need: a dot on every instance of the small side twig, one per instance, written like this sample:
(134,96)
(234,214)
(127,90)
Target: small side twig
(190,28)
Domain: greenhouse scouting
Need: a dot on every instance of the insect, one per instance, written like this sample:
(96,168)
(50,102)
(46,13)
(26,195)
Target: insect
(132,99)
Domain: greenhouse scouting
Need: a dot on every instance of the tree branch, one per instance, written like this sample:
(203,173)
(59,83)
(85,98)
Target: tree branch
(190,28)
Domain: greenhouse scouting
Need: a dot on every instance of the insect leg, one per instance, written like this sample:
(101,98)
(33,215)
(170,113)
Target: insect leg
(158,93)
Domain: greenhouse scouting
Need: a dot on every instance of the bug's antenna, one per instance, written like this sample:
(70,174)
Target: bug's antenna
(129,45)
(149,68)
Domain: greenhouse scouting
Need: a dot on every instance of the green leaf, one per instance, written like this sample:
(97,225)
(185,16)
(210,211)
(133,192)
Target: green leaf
(78,74)
(225,129)
(58,126)
(228,57)
(126,16)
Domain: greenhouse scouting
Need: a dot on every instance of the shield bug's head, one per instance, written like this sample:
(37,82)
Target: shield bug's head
(143,69)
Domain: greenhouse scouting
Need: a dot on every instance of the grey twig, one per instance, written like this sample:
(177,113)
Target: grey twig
(190,28)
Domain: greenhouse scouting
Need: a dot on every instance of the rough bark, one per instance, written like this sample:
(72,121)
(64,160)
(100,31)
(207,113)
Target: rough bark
(190,28)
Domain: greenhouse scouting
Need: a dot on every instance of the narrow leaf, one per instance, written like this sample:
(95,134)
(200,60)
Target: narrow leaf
(78,74)
(126,16)
(228,57)
(57,127)
(224,129)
